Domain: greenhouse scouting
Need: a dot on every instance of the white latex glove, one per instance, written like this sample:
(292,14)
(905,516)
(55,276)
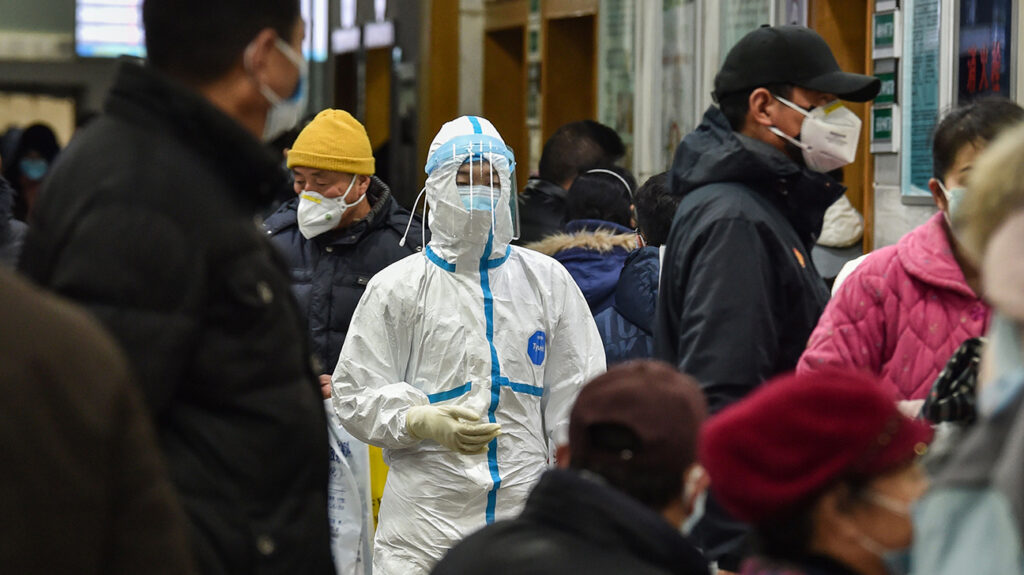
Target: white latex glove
(451,426)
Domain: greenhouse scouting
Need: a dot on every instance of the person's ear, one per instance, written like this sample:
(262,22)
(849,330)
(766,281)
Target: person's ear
(632,216)
(562,457)
(760,107)
(938,195)
(362,183)
(256,57)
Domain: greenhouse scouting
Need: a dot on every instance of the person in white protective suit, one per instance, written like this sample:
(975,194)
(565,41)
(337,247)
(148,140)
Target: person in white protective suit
(463,362)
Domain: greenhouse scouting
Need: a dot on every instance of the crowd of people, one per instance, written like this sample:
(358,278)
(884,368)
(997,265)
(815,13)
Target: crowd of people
(592,374)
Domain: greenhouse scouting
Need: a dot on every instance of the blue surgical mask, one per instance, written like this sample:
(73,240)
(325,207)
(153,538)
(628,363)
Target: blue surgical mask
(481,198)
(33,168)
(285,113)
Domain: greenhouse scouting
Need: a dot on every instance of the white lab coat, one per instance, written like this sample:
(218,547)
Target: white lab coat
(474,322)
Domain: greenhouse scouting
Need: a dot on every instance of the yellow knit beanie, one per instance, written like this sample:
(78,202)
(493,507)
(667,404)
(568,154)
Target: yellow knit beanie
(333,141)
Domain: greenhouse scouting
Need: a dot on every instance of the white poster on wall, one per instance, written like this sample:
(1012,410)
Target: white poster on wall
(615,73)
(738,17)
(679,64)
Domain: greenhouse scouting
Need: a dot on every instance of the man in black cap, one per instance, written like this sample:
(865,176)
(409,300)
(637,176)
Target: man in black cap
(627,482)
(739,293)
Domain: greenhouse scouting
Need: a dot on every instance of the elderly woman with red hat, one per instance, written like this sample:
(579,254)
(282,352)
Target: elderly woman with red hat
(824,467)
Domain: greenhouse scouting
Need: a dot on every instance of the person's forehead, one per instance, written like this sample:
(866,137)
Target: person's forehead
(813,96)
(315,172)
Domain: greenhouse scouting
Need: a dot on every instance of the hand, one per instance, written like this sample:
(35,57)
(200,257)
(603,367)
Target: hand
(451,426)
(911,407)
(325,385)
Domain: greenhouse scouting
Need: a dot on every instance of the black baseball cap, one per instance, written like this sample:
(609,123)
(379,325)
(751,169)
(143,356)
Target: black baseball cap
(790,55)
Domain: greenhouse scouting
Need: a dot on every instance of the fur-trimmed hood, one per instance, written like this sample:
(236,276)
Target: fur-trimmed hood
(604,239)
(594,252)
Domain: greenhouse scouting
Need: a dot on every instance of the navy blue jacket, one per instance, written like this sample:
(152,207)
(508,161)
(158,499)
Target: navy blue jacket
(627,326)
(593,251)
(330,272)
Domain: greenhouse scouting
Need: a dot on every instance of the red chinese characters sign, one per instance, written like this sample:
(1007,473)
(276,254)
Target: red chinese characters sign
(986,29)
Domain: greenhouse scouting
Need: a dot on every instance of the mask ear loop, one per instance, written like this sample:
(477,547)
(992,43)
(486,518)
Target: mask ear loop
(423,228)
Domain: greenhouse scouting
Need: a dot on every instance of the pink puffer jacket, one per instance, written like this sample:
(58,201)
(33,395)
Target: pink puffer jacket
(901,314)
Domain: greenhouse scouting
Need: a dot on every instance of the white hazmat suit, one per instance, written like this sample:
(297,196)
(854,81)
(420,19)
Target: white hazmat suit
(472,322)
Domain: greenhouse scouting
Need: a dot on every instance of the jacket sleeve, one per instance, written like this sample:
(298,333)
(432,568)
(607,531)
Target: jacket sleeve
(368,389)
(137,272)
(851,332)
(727,332)
(575,356)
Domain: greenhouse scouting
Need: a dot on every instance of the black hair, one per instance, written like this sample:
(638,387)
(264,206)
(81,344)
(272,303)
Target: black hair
(601,196)
(37,138)
(978,122)
(736,105)
(654,488)
(575,145)
(788,536)
(198,41)
(655,209)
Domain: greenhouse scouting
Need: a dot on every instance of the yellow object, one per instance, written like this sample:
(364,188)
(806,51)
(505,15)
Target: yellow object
(333,141)
(378,476)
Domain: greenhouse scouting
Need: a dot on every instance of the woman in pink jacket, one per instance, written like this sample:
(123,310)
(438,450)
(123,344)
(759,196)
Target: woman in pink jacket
(906,308)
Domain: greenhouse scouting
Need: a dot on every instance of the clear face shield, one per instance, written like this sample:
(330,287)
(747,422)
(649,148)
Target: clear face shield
(474,181)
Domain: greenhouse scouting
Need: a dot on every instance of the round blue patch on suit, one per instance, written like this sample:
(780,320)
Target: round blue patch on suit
(536,346)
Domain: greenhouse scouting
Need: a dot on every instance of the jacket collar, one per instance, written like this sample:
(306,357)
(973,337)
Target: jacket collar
(147,98)
(927,255)
(714,153)
(582,503)
(537,186)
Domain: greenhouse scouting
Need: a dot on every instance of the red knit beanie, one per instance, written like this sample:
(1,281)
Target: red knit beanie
(797,434)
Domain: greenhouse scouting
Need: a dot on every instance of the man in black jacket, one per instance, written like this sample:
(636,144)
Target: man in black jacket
(147,220)
(342,228)
(739,292)
(628,481)
(571,148)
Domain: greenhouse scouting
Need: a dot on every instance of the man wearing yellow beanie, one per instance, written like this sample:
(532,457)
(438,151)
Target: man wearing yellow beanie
(342,227)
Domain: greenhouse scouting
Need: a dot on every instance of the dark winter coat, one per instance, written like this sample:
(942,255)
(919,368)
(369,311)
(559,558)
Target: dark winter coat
(12,231)
(330,272)
(593,251)
(541,210)
(627,326)
(575,523)
(85,490)
(148,220)
(739,292)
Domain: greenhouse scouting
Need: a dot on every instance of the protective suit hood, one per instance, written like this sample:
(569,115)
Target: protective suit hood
(460,235)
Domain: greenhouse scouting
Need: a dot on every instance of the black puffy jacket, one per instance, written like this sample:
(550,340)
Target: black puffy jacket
(147,220)
(330,272)
(575,523)
(739,292)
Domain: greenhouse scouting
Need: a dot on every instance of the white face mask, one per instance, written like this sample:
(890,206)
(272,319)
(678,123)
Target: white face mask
(954,198)
(828,135)
(318,214)
(284,113)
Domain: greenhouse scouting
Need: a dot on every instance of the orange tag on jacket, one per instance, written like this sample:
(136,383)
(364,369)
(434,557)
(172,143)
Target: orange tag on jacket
(800,258)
